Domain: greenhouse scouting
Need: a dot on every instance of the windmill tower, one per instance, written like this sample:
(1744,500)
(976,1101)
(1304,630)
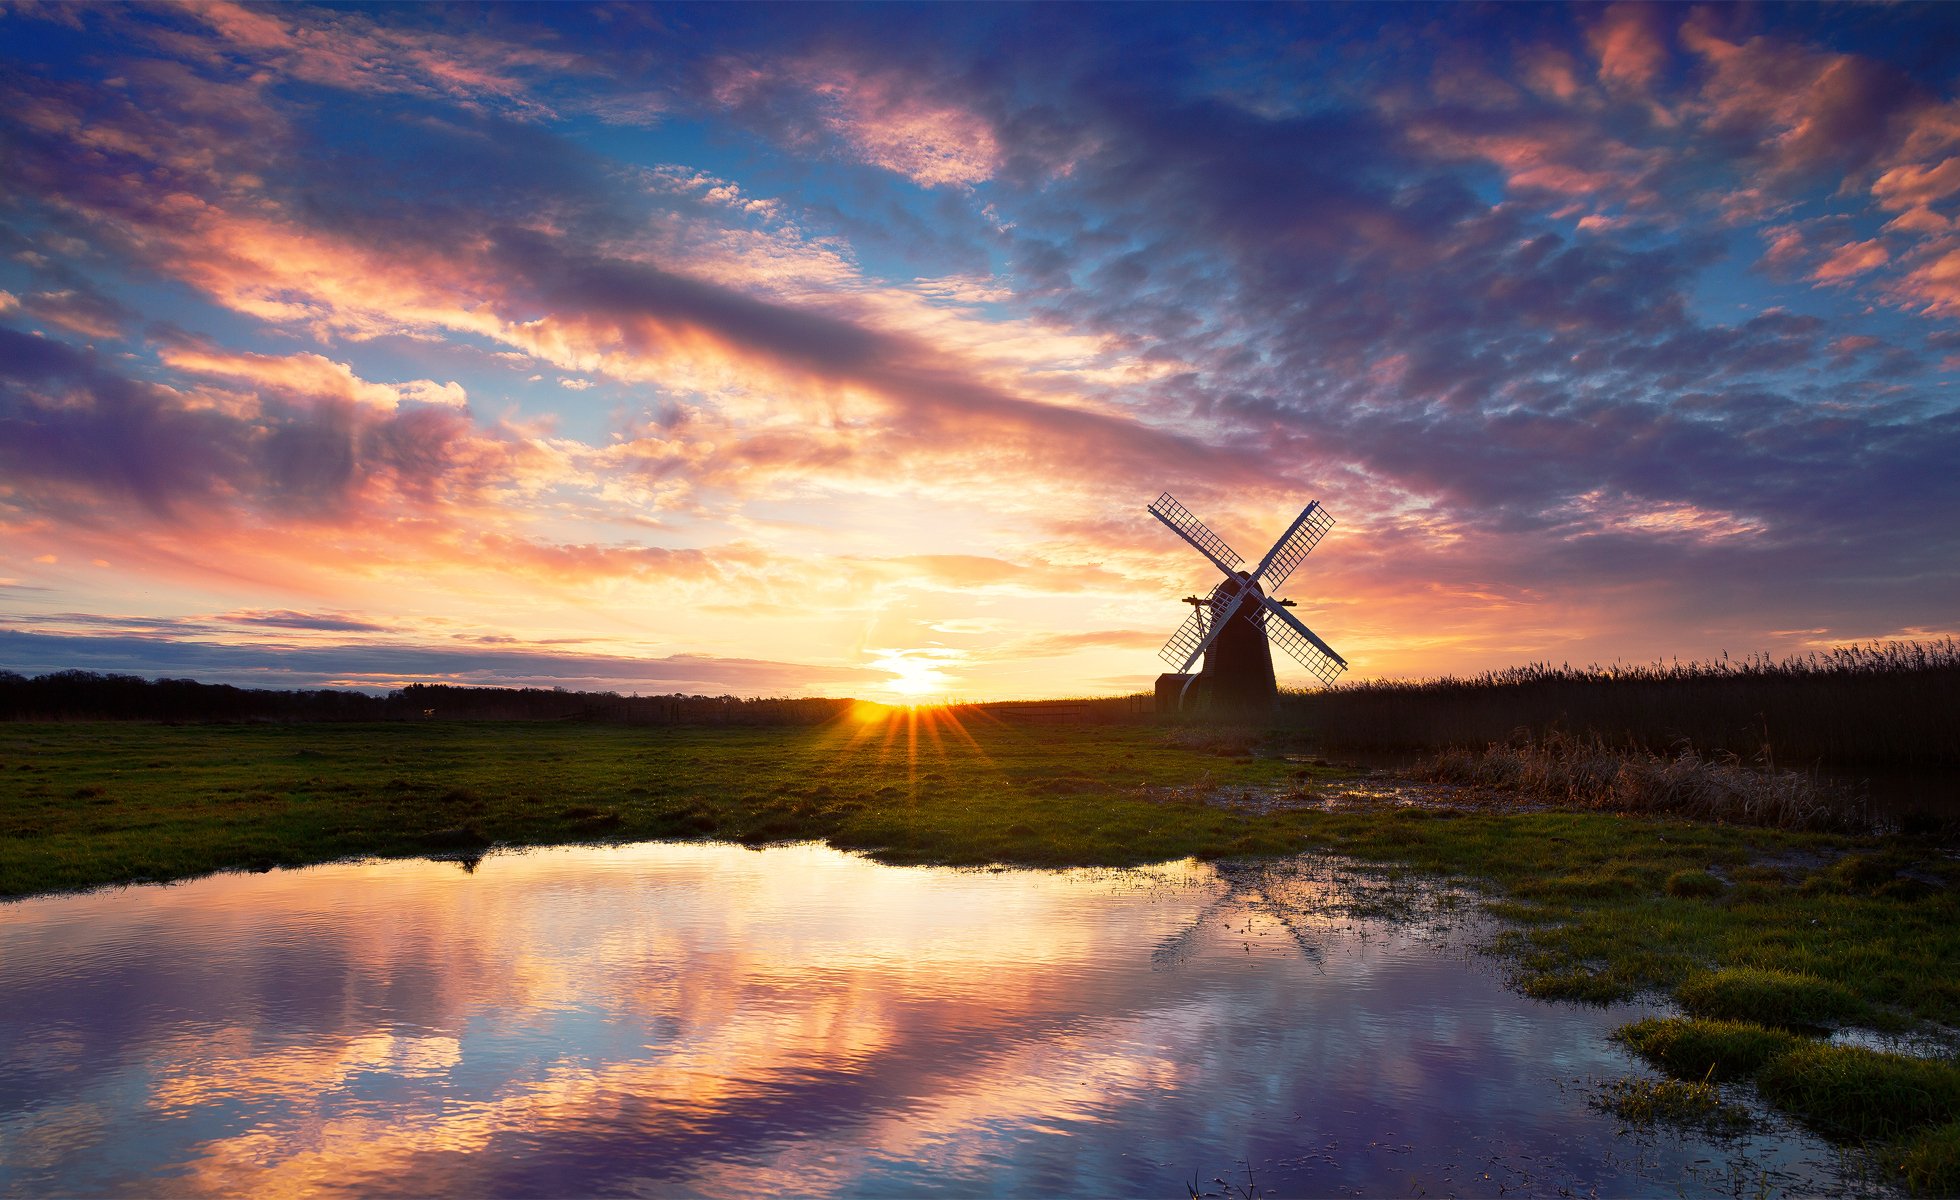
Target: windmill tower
(1231,626)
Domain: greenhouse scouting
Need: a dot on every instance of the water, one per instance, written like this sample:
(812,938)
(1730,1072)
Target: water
(706,1019)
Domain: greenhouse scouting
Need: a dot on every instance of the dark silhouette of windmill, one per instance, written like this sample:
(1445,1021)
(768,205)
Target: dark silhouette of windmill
(1230,627)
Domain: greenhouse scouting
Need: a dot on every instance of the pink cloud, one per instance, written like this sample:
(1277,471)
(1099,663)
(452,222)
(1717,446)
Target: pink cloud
(349,51)
(1915,185)
(79,312)
(1807,109)
(1551,73)
(1558,155)
(1630,45)
(1934,286)
(886,117)
(311,375)
(1852,258)
(1919,220)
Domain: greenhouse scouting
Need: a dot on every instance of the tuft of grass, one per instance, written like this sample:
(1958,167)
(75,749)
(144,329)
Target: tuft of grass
(1854,1094)
(1705,1050)
(1694,885)
(1930,1162)
(1696,1105)
(1768,997)
(1579,984)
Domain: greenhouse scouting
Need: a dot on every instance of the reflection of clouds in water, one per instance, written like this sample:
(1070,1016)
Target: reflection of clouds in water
(715,1019)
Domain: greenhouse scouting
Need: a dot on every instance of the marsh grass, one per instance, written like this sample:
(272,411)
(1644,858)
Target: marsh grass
(1693,885)
(1786,999)
(1929,1162)
(1691,1104)
(1692,1049)
(1583,772)
(1855,1094)
(1906,1106)
(1886,702)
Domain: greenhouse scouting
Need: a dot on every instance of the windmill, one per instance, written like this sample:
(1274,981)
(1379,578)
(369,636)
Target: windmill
(1230,627)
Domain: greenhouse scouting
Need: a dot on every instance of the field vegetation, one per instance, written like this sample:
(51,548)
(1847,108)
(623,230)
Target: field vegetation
(1585,773)
(1882,704)
(1766,932)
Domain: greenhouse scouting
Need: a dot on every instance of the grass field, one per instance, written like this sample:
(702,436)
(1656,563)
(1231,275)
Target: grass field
(1763,936)
(85,804)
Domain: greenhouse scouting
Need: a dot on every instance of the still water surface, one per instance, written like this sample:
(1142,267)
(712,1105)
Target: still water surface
(691,1018)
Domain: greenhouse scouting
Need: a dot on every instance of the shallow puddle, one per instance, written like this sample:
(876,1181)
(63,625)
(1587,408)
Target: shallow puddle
(706,1019)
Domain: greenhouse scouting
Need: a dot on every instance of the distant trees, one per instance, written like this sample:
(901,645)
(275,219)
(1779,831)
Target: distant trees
(92,696)
(88,695)
(450,702)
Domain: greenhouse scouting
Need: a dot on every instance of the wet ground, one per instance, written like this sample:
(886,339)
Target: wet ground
(707,1019)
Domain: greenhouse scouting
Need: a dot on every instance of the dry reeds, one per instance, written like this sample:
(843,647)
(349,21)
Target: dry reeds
(1891,703)
(1584,772)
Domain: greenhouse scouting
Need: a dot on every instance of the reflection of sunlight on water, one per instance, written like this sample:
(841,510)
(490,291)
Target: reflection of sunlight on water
(710,1019)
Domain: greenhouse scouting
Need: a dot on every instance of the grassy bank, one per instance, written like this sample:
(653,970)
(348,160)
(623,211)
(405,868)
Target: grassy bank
(1768,934)
(86,804)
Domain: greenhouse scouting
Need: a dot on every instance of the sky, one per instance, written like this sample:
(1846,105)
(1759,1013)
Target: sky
(837,350)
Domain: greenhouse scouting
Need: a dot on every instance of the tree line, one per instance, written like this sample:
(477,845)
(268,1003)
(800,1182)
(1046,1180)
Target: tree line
(94,696)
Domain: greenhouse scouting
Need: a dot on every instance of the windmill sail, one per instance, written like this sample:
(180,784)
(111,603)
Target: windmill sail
(1188,642)
(1191,529)
(1293,546)
(1195,636)
(1292,636)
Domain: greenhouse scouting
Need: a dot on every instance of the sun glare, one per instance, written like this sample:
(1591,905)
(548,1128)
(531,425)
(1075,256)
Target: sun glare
(916,674)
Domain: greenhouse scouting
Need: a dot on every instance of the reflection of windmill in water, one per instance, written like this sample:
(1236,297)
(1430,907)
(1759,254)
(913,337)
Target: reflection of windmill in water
(1229,627)
(1248,890)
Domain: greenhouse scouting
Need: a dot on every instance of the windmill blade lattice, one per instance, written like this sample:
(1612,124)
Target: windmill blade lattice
(1191,529)
(1191,637)
(1186,642)
(1293,546)
(1297,640)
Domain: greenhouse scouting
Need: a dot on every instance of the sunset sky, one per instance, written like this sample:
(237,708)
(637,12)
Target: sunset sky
(837,350)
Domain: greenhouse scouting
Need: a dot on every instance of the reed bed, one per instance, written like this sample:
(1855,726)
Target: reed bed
(1583,772)
(1891,703)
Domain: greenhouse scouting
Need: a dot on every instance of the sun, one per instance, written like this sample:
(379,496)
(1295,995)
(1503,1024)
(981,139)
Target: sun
(915,673)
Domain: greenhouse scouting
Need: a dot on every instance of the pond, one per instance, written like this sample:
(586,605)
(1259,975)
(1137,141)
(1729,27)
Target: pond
(690,1018)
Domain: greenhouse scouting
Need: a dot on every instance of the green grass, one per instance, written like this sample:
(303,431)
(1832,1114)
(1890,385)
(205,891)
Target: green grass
(82,805)
(1706,1050)
(1748,927)
(1695,1105)
(1694,885)
(1929,1163)
(1851,1093)
(1781,998)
